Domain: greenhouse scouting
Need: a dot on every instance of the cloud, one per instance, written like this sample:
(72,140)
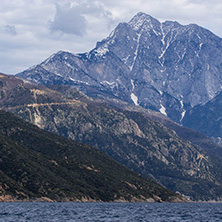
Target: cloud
(11,29)
(69,20)
(31,30)
(75,19)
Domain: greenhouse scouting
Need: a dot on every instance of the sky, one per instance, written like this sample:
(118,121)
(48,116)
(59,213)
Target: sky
(32,30)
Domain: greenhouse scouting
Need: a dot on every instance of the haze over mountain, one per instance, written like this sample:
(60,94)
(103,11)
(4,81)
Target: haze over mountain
(165,66)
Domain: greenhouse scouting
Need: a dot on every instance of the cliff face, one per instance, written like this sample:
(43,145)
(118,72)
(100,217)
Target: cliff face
(165,66)
(129,137)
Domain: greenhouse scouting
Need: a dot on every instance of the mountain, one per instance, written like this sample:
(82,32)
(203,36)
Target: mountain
(167,67)
(36,164)
(208,143)
(206,118)
(127,135)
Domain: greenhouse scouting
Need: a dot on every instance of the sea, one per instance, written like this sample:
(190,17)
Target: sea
(123,212)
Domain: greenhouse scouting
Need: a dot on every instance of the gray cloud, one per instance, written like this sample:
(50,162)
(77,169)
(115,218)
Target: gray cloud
(74,19)
(69,20)
(11,29)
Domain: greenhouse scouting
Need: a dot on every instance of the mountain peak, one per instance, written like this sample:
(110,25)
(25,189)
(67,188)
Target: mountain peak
(142,19)
(142,15)
(182,64)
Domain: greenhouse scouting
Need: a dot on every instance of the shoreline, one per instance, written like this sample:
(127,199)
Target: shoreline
(11,199)
(111,202)
(47,200)
(8,199)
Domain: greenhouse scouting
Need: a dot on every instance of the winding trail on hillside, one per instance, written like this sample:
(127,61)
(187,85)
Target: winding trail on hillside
(35,105)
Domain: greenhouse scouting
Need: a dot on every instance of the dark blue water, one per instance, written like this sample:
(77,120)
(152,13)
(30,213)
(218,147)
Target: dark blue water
(124,212)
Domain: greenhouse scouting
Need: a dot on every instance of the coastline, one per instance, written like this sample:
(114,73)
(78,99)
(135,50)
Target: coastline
(9,199)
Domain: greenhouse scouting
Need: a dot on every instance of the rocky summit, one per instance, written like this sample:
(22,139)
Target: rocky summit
(167,67)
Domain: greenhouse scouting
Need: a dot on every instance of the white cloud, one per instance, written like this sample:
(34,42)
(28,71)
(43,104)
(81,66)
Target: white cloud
(31,30)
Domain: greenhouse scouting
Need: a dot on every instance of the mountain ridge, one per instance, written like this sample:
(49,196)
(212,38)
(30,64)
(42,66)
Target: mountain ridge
(166,66)
(126,135)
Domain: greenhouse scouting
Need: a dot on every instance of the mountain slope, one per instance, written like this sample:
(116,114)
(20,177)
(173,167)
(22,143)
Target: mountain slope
(188,134)
(129,137)
(207,118)
(165,66)
(38,164)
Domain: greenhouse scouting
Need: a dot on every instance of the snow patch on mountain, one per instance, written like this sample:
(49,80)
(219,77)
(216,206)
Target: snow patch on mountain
(101,51)
(67,64)
(111,84)
(132,83)
(160,92)
(163,110)
(78,81)
(184,111)
(126,59)
(164,50)
(182,115)
(137,23)
(58,74)
(134,98)
(136,52)
(163,34)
